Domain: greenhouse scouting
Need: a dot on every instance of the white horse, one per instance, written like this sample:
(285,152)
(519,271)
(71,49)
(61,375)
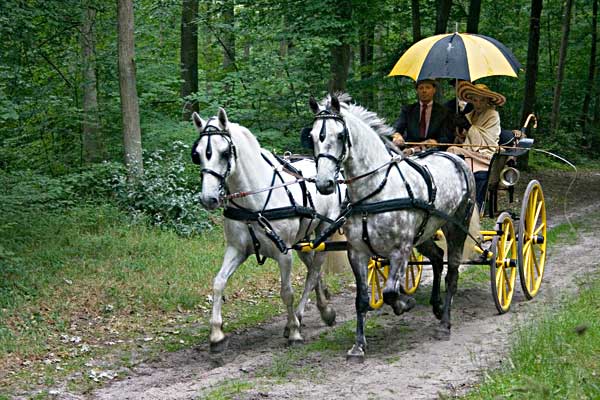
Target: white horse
(266,223)
(392,206)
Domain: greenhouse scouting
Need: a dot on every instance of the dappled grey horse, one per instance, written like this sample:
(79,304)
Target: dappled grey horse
(261,222)
(394,203)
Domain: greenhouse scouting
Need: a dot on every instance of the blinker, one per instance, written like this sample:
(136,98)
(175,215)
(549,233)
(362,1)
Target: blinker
(306,139)
(195,155)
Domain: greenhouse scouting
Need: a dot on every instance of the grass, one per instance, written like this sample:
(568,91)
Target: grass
(555,357)
(89,283)
(228,390)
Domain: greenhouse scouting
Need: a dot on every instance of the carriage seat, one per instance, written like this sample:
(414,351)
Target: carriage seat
(503,158)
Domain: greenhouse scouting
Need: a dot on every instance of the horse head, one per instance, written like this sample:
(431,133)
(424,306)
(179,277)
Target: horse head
(215,152)
(330,139)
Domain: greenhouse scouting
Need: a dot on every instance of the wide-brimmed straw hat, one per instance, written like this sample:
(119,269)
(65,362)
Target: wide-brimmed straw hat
(466,90)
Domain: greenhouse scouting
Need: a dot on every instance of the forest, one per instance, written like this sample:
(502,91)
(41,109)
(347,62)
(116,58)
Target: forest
(102,234)
(66,117)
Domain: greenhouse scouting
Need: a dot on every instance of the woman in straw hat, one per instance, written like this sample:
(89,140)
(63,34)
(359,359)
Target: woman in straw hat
(479,129)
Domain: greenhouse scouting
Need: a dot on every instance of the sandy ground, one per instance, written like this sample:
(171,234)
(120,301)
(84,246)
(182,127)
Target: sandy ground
(403,358)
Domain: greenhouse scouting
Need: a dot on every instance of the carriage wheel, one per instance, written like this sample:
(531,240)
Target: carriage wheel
(503,264)
(378,271)
(412,277)
(532,239)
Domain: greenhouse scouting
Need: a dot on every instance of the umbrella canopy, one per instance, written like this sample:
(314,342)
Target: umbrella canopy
(456,55)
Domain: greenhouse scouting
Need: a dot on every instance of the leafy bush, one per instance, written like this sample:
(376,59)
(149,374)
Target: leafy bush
(25,190)
(168,192)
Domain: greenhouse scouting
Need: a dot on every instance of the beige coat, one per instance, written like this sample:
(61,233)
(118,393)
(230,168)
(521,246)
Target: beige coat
(484,131)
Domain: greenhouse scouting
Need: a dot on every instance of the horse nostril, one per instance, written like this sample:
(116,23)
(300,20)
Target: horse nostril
(329,183)
(210,202)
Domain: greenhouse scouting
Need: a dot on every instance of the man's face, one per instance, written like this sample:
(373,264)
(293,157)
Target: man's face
(425,92)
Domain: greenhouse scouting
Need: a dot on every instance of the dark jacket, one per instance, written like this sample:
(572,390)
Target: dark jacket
(439,129)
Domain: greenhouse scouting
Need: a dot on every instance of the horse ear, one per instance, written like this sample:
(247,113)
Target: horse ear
(314,106)
(223,117)
(198,122)
(335,104)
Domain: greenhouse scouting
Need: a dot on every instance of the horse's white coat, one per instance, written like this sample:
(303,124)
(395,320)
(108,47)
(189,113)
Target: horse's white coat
(249,171)
(391,234)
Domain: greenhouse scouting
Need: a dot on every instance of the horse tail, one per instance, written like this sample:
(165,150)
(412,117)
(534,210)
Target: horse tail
(473,236)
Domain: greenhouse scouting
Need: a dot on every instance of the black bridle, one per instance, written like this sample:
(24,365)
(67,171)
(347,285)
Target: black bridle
(344,137)
(210,131)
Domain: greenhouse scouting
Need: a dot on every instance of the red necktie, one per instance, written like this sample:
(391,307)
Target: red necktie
(423,122)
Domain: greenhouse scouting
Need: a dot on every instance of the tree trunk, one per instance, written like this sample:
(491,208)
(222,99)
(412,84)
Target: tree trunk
(591,72)
(473,19)
(132,137)
(366,61)
(378,55)
(91,143)
(562,56)
(416,20)
(340,54)
(443,14)
(532,60)
(228,36)
(189,56)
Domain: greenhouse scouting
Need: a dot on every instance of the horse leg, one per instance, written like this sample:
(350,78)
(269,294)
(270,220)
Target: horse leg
(436,255)
(287,296)
(232,259)
(313,262)
(455,239)
(359,264)
(392,294)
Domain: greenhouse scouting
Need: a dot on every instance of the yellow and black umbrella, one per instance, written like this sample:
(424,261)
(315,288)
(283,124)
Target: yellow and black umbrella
(456,55)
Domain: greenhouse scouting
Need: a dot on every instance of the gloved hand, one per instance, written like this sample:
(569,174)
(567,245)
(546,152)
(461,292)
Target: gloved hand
(460,121)
(397,139)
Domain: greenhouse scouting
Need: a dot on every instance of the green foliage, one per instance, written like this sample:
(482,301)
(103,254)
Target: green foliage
(167,192)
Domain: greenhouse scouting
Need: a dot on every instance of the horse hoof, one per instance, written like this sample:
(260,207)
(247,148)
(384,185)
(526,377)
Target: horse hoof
(286,332)
(355,355)
(220,346)
(328,316)
(295,342)
(441,333)
(438,312)
(400,306)
(408,303)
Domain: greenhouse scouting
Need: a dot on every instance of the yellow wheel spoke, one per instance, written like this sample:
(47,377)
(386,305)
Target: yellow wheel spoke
(537,213)
(538,230)
(537,265)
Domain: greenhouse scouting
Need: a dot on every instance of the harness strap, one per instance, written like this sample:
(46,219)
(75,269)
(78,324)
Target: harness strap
(256,244)
(365,234)
(242,214)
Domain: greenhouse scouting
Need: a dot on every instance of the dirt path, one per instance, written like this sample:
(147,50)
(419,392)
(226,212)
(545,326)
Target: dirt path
(403,359)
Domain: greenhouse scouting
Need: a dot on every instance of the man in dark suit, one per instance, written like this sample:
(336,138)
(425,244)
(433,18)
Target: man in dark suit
(424,121)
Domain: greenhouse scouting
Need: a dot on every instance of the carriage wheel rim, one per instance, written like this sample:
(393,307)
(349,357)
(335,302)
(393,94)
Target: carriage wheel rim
(533,225)
(412,276)
(503,275)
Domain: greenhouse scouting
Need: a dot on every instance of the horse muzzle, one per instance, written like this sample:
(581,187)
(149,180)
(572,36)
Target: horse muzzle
(325,186)
(210,202)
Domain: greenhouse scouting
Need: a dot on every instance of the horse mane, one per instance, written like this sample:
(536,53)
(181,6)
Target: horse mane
(370,118)
(246,134)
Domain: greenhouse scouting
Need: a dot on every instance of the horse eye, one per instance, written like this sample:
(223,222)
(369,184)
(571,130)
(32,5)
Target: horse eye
(225,154)
(341,135)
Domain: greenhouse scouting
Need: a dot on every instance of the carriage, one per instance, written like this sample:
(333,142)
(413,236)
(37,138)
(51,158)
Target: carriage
(423,201)
(517,242)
